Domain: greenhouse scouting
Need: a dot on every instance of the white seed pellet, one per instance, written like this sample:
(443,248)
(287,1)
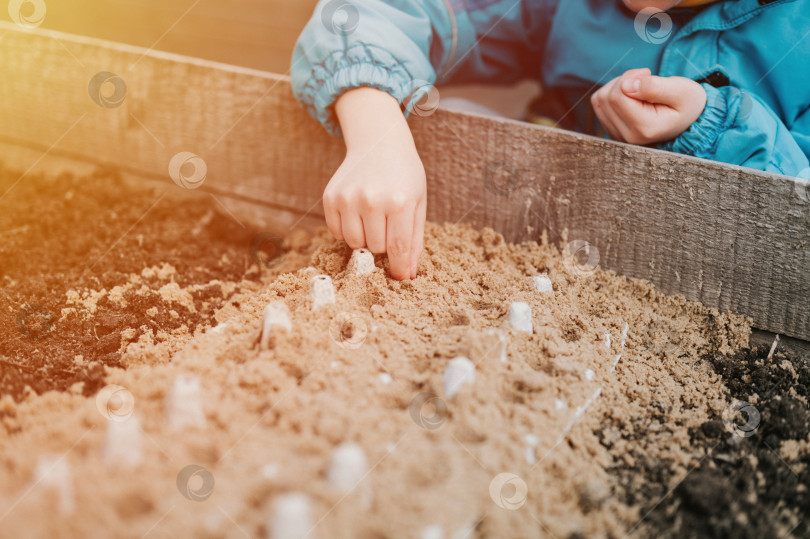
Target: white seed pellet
(542,283)
(531,442)
(520,316)
(276,316)
(291,518)
(219,328)
(460,371)
(322,291)
(560,405)
(361,262)
(123,443)
(589,374)
(184,404)
(53,473)
(270,470)
(433,531)
(385,378)
(213,522)
(348,467)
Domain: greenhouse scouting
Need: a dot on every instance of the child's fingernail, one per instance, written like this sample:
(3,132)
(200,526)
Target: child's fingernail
(631,85)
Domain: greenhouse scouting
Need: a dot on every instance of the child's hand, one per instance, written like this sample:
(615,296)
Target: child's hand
(640,108)
(377,198)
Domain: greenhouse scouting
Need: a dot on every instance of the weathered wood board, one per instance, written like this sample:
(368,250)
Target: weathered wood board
(733,238)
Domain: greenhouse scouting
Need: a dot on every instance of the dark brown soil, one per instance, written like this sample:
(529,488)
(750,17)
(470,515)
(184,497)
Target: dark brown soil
(744,486)
(66,233)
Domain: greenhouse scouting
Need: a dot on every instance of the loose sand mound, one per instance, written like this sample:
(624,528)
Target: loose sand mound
(608,356)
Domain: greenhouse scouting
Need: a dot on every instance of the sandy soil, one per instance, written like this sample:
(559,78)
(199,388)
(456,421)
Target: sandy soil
(612,373)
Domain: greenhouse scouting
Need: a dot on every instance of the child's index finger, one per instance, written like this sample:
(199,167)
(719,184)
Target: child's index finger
(398,243)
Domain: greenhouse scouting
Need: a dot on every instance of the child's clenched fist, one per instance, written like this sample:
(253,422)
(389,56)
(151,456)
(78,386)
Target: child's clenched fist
(640,108)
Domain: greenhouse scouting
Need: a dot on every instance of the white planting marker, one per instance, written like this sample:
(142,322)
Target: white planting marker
(460,371)
(361,262)
(219,328)
(276,316)
(291,518)
(520,316)
(433,531)
(607,340)
(348,467)
(560,405)
(270,470)
(123,443)
(385,378)
(589,374)
(53,473)
(322,291)
(184,404)
(542,283)
(531,441)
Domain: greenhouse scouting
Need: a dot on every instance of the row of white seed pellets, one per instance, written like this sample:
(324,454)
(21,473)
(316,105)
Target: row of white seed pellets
(277,314)
(460,371)
(183,408)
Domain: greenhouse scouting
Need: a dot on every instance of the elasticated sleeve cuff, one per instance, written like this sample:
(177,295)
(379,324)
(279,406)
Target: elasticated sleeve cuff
(703,135)
(359,66)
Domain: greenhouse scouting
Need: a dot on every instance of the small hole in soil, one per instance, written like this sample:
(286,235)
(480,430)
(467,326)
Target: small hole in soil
(460,319)
(347,330)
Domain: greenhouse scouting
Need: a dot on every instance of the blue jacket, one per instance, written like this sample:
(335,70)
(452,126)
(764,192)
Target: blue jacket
(751,56)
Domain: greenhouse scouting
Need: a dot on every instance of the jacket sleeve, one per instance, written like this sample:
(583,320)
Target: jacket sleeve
(403,47)
(737,127)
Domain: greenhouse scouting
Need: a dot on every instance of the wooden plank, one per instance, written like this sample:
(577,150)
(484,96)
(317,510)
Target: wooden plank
(733,238)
